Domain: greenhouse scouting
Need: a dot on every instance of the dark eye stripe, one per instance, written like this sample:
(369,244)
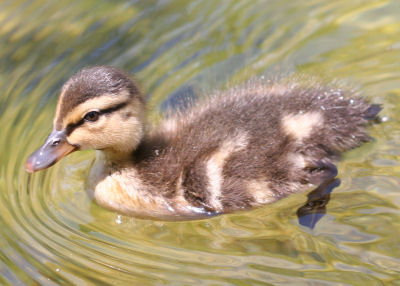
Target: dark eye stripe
(113,108)
(72,126)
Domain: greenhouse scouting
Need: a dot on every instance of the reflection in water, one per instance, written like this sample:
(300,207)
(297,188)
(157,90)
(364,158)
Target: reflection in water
(50,231)
(315,207)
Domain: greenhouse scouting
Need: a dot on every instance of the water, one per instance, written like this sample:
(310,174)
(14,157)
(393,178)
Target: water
(52,233)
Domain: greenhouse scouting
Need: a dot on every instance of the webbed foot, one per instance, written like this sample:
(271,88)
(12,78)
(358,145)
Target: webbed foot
(321,171)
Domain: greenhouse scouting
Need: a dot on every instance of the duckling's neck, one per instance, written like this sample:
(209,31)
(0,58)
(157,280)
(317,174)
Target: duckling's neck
(115,158)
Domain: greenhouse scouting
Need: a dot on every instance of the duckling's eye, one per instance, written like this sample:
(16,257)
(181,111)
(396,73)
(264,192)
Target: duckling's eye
(91,116)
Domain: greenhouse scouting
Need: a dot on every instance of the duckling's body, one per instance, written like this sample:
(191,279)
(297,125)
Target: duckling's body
(239,149)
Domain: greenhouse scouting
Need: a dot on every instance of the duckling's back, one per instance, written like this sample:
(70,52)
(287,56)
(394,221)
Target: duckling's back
(253,145)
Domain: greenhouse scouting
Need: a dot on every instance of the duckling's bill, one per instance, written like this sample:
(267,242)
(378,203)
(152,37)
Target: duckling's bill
(54,148)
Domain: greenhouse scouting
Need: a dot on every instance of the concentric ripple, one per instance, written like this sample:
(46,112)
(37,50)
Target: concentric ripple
(51,233)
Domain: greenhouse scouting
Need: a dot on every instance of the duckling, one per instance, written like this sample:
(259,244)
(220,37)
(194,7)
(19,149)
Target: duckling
(239,149)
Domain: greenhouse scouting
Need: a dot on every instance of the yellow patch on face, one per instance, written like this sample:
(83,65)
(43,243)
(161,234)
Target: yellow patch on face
(300,126)
(119,131)
(98,103)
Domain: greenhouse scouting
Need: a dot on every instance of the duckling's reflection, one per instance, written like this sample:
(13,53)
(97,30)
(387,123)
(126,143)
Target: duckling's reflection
(315,207)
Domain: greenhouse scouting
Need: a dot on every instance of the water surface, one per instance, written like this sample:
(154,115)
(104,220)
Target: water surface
(52,233)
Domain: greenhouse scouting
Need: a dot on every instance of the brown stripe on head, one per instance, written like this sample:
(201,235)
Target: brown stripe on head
(90,83)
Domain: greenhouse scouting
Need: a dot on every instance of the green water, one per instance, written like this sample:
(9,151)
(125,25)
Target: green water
(51,233)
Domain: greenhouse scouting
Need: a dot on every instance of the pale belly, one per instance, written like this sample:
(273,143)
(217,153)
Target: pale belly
(124,192)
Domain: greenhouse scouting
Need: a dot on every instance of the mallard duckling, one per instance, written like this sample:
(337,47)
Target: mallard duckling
(242,148)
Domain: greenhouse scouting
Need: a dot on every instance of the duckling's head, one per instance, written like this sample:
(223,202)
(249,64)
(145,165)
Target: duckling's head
(99,108)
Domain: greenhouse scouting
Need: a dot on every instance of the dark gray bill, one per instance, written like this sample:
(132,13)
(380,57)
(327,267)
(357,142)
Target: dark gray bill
(54,148)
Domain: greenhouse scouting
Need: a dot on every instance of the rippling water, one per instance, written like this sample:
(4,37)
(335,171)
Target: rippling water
(52,233)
